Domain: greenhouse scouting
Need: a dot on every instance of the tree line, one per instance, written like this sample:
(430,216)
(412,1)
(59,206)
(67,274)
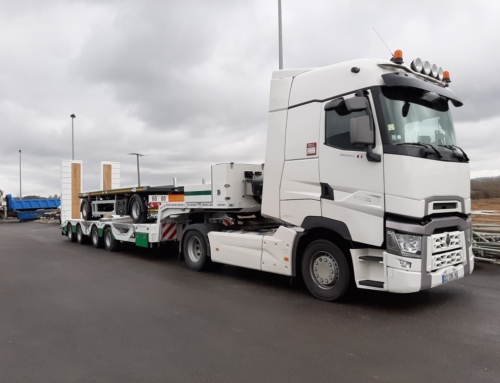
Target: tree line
(485,188)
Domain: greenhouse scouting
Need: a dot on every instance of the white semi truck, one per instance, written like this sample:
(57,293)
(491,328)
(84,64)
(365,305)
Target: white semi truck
(362,184)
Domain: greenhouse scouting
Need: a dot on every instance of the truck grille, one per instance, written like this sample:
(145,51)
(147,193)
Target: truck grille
(446,259)
(446,241)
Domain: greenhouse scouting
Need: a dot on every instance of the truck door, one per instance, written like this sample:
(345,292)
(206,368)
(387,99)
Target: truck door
(352,186)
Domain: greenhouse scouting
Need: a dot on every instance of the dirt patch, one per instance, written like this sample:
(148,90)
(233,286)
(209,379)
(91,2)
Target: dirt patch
(486,211)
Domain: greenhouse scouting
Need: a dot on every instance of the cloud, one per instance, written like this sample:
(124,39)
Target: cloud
(187,83)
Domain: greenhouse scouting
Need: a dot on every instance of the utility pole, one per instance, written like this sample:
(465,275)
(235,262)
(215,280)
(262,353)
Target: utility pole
(138,171)
(280,36)
(72,138)
(20,188)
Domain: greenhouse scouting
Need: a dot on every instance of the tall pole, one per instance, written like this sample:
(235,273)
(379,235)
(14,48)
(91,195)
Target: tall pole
(280,35)
(20,188)
(138,171)
(72,137)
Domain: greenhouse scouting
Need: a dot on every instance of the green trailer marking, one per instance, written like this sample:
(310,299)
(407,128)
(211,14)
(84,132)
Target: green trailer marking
(142,240)
(201,192)
(100,231)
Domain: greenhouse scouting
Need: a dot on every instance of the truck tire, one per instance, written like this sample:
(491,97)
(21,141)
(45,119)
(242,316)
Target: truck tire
(195,251)
(86,211)
(137,209)
(110,243)
(80,238)
(70,234)
(325,270)
(94,237)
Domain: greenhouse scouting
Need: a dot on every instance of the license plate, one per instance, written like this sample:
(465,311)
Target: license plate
(158,198)
(450,276)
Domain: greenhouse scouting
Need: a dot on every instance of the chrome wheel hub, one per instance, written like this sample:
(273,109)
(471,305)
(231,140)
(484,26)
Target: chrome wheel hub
(194,249)
(324,270)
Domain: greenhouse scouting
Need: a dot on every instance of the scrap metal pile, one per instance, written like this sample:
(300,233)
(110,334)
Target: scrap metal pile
(486,245)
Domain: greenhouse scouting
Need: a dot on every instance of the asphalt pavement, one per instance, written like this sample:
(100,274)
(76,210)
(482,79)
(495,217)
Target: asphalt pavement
(72,313)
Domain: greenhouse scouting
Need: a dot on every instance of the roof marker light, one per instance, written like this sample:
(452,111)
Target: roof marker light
(417,65)
(397,57)
(446,76)
(427,68)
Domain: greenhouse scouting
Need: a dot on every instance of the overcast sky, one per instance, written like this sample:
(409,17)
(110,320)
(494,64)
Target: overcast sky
(186,83)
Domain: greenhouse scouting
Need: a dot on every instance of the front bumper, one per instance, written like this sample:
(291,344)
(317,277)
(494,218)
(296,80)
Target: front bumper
(408,281)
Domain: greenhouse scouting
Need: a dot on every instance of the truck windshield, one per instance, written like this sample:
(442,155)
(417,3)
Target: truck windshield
(416,116)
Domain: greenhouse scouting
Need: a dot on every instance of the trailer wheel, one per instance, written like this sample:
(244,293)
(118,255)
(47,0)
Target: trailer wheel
(94,237)
(70,234)
(325,270)
(86,211)
(195,250)
(138,210)
(80,238)
(110,243)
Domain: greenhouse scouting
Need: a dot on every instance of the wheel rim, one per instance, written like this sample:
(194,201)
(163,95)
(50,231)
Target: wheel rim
(95,237)
(194,249)
(79,233)
(70,232)
(108,239)
(84,210)
(324,270)
(136,210)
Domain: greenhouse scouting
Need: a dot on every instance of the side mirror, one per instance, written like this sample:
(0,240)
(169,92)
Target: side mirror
(356,104)
(362,131)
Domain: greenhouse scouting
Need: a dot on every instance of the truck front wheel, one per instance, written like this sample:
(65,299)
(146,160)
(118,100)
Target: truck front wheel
(325,270)
(194,248)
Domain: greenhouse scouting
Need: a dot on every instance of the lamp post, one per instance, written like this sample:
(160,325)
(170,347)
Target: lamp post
(138,171)
(72,138)
(20,188)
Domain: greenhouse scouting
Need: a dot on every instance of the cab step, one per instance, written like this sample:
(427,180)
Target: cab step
(371,258)
(369,283)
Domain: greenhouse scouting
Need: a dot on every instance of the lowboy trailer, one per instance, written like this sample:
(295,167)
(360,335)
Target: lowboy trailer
(363,184)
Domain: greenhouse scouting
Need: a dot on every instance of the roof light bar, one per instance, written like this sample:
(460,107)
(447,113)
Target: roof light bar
(432,70)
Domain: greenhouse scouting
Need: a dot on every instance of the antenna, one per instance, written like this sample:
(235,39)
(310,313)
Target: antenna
(383,42)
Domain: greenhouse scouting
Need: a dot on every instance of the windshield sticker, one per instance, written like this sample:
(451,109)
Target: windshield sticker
(393,137)
(391,127)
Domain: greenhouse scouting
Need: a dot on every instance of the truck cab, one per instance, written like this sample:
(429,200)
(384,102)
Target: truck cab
(363,154)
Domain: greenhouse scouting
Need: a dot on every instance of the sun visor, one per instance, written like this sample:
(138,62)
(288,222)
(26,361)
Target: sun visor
(410,80)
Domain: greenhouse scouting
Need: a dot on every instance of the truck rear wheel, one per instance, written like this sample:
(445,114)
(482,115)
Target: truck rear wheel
(325,270)
(80,238)
(138,209)
(194,248)
(94,237)
(70,234)
(110,243)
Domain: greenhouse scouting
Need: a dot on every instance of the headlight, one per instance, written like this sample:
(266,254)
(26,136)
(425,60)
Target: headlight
(407,245)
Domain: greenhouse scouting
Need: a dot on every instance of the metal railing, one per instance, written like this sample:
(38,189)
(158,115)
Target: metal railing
(486,244)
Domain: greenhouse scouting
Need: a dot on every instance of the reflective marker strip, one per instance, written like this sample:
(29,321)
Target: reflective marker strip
(168,230)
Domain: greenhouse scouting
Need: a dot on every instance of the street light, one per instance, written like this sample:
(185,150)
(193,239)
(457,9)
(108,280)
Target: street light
(138,171)
(20,189)
(72,138)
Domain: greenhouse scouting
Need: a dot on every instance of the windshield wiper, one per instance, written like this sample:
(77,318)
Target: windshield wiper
(427,146)
(454,148)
